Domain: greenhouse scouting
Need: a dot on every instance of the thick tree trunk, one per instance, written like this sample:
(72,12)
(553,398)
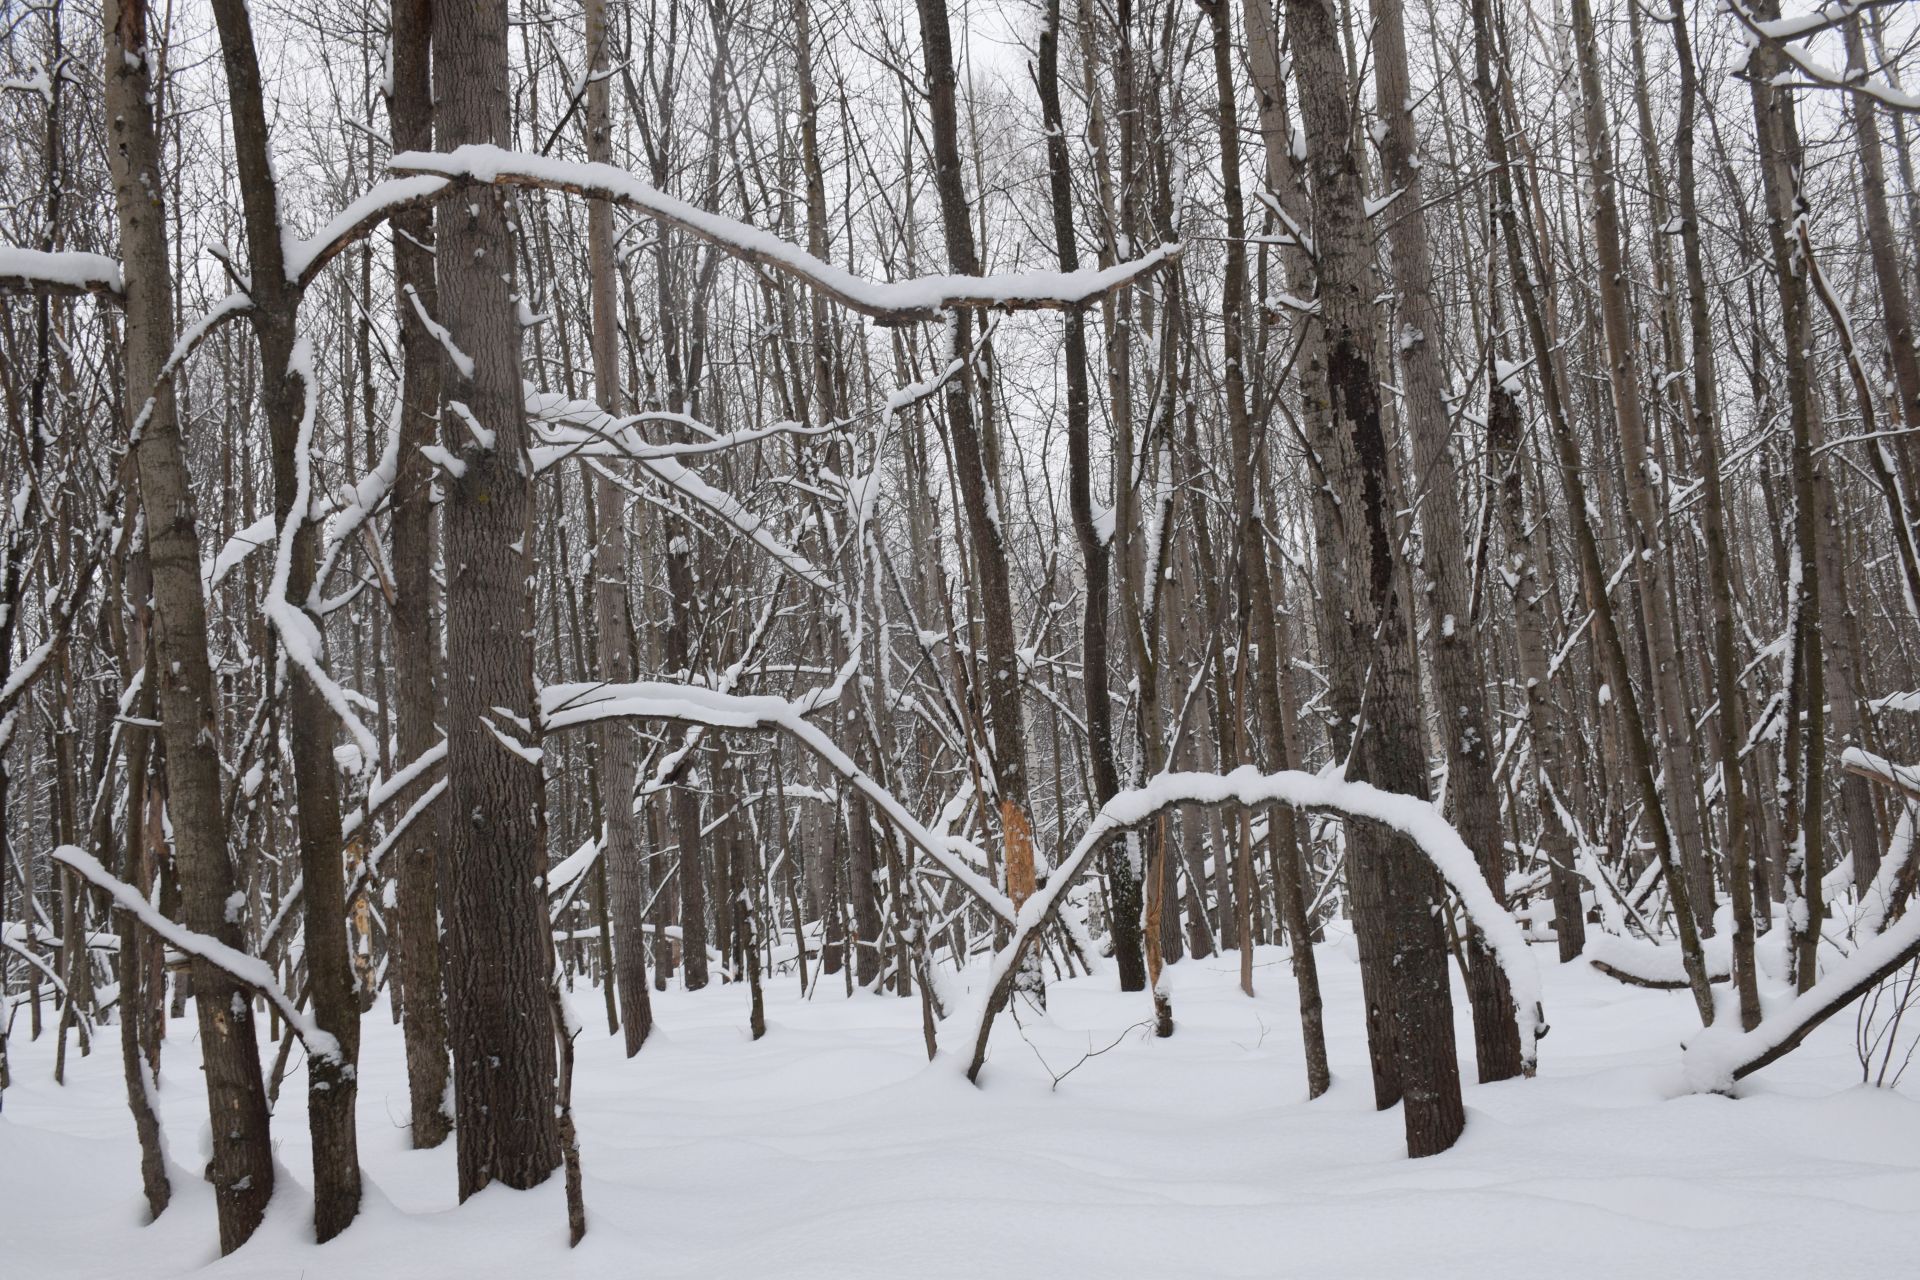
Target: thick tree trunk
(1366,617)
(498,955)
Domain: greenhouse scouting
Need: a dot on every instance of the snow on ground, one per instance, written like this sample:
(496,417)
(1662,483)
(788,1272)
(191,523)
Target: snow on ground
(831,1149)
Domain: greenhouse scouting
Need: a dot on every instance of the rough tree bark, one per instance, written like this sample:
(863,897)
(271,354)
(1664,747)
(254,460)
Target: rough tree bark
(497,953)
(1366,616)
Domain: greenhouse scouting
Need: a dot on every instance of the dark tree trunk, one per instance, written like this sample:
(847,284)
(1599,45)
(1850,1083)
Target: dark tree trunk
(416,641)
(332,1081)
(1366,618)
(497,951)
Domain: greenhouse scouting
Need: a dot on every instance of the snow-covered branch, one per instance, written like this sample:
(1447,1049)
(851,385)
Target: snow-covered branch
(564,706)
(32,271)
(248,970)
(1414,818)
(1782,35)
(889,302)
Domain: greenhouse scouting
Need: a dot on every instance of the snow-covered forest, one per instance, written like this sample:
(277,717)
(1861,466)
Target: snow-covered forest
(841,637)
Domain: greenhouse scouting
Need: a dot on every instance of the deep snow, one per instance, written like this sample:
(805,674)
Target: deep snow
(831,1149)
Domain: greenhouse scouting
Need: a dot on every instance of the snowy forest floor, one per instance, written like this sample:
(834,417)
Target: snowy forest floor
(831,1148)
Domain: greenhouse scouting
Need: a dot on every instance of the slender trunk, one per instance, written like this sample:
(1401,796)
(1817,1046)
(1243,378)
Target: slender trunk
(1681,796)
(288,398)
(622,848)
(979,485)
(1804,766)
(1508,191)
(1123,881)
(1706,437)
(1458,676)
(241,1169)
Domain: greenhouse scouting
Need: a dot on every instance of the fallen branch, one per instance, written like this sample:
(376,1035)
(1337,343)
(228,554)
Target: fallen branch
(1722,1054)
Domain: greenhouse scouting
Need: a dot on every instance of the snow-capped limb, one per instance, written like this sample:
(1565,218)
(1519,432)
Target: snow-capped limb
(897,302)
(461,360)
(576,864)
(37,81)
(299,635)
(370,867)
(1827,16)
(1783,34)
(382,793)
(564,706)
(1889,882)
(304,258)
(1646,964)
(46,970)
(231,307)
(248,970)
(1901,777)
(581,427)
(1721,1054)
(237,548)
(379,795)
(1414,818)
(353,509)
(32,271)
(61,612)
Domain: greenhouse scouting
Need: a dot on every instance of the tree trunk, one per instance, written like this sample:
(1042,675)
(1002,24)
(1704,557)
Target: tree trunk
(498,955)
(418,681)
(1458,677)
(622,848)
(979,486)
(1366,617)
(241,1170)
(290,404)
(1123,880)
(1681,796)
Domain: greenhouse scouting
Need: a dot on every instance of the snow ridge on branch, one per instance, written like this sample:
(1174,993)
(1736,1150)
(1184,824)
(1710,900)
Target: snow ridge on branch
(890,303)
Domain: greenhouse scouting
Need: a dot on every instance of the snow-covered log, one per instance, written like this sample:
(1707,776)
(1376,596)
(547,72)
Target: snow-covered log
(1646,964)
